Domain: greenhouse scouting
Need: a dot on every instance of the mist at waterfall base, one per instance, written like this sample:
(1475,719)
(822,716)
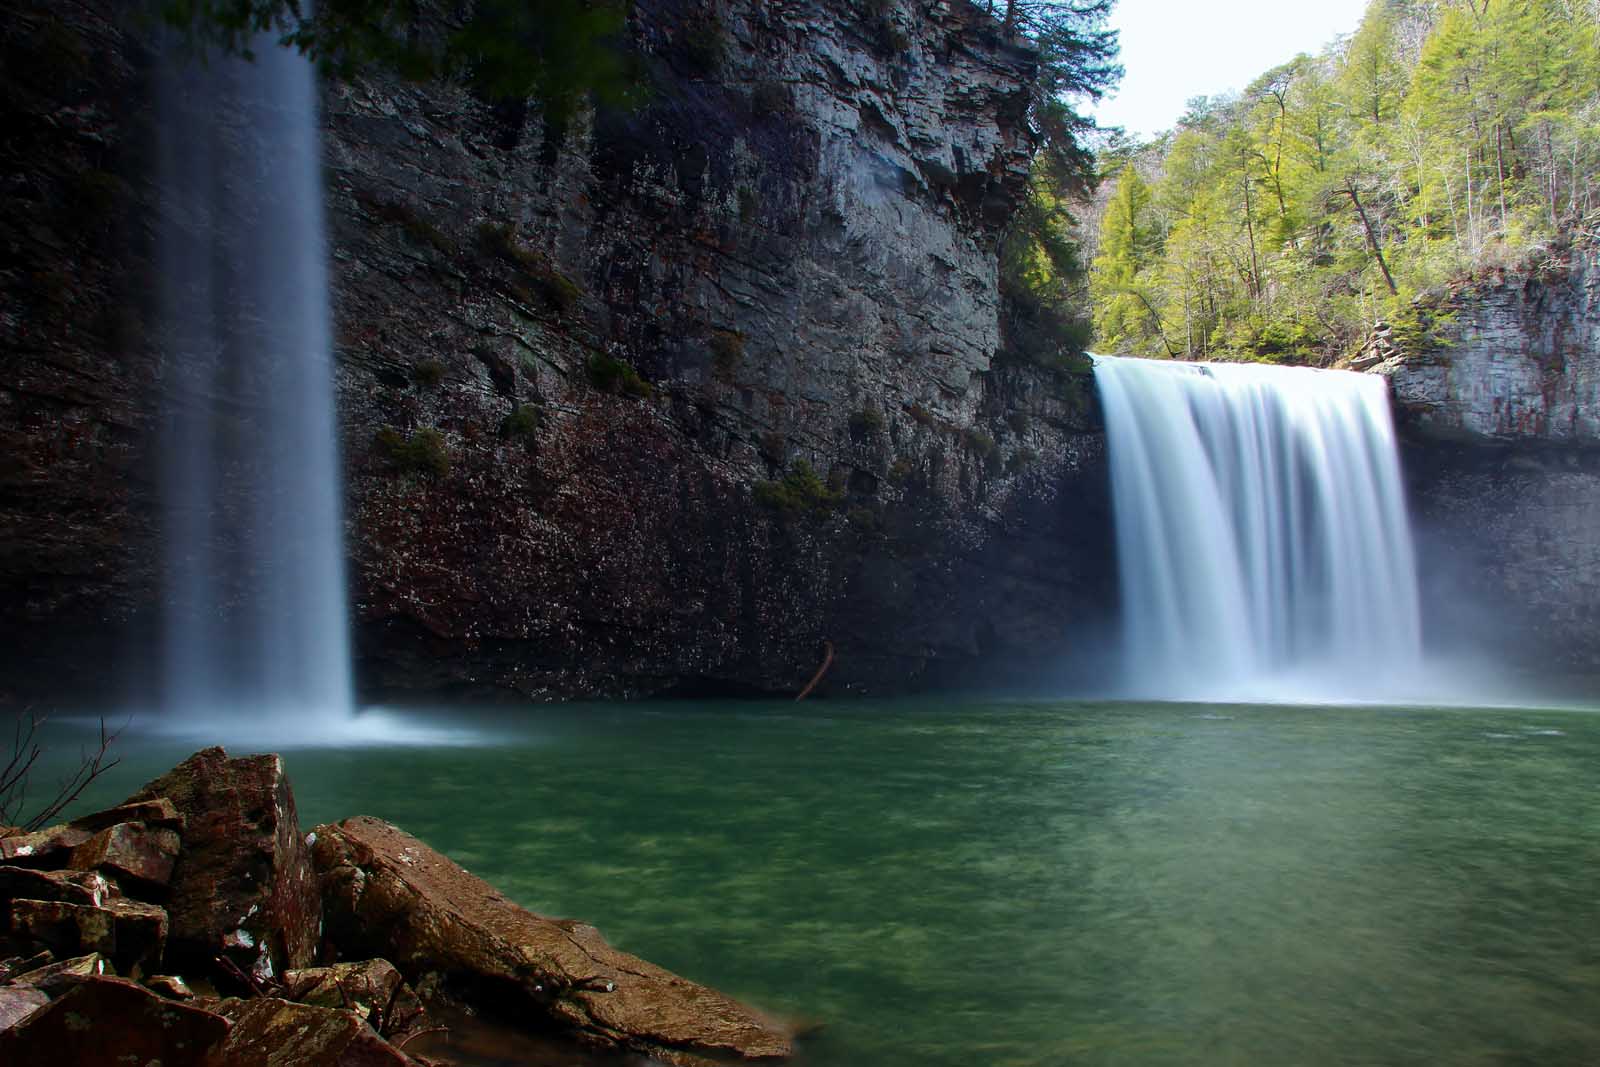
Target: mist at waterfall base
(1264,547)
(255,642)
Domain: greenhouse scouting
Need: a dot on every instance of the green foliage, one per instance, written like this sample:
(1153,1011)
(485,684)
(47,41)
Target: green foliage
(799,492)
(705,43)
(749,205)
(609,374)
(521,424)
(538,281)
(979,442)
(727,353)
(866,423)
(771,98)
(1440,140)
(417,228)
(774,447)
(1041,273)
(558,52)
(1125,317)
(1021,460)
(424,452)
(1077,62)
(428,373)
(865,519)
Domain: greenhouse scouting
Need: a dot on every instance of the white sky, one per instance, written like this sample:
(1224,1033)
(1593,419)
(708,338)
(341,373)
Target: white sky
(1177,49)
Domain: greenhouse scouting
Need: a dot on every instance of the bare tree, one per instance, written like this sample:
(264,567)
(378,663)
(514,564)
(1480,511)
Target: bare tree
(19,766)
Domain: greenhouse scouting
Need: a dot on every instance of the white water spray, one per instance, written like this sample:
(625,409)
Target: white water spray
(256,623)
(1263,542)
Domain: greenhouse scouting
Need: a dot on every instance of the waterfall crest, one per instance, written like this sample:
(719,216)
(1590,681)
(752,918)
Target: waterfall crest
(255,614)
(1262,535)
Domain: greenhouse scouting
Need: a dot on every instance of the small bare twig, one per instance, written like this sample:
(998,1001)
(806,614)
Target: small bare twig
(403,1042)
(25,753)
(257,987)
(827,661)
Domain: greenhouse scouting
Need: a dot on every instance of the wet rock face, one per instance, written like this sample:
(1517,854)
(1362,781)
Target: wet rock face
(1508,557)
(1501,448)
(793,243)
(795,246)
(1520,362)
(243,885)
(388,894)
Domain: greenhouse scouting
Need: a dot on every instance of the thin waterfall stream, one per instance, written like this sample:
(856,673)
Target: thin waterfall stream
(1264,547)
(256,618)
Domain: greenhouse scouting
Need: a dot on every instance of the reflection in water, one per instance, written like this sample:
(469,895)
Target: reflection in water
(1047,883)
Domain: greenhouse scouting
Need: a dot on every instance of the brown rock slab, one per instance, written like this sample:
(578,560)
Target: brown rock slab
(15,965)
(141,940)
(373,989)
(159,812)
(67,887)
(170,986)
(65,929)
(387,894)
(243,883)
(134,851)
(57,978)
(17,1002)
(112,1021)
(42,849)
(268,1032)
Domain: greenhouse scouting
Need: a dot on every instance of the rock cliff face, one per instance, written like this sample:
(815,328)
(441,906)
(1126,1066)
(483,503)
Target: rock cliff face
(1501,425)
(583,373)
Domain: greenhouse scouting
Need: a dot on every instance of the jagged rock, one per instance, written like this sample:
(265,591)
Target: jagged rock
(130,1025)
(170,986)
(17,1003)
(56,978)
(130,850)
(158,813)
(268,1032)
(243,883)
(387,894)
(141,934)
(65,929)
(45,848)
(373,989)
(67,887)
(129,932)
(15,965)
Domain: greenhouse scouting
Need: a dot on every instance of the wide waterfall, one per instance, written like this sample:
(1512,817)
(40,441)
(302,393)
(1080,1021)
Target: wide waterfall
(256,628)
(1262,535)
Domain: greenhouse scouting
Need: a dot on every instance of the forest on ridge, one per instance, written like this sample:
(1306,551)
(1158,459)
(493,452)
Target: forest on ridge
(1442,140)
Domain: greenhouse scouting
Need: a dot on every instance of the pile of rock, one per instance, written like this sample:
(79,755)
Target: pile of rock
(195,925)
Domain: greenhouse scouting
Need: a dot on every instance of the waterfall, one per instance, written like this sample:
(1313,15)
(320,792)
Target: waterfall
(1262,535)
(255,612)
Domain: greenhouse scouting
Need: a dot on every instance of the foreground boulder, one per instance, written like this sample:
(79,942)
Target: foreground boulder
(387,894)
(270,1032)
(373,989)
(112,1021)
(17,1003)
(242,886)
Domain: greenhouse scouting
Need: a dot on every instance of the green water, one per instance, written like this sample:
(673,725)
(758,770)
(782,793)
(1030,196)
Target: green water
(1047,883)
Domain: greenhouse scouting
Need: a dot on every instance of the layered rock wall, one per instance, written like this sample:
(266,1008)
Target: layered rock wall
(1501,424)
(576,366)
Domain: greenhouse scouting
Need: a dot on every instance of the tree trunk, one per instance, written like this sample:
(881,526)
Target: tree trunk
(1372,238)
(1250,228)
(1500,171)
